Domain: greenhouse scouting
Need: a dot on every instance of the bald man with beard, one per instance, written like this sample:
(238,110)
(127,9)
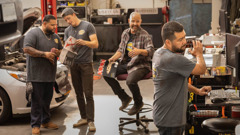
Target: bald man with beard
(135,52)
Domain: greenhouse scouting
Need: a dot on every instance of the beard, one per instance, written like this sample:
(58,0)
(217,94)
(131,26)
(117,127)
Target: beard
(49,32)
(135,26)
(178,50)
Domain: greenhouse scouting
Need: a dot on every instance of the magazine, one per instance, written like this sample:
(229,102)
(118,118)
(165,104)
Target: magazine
(69,51)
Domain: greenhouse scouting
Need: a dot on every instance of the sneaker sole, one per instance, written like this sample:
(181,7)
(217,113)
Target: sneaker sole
(49,128)
(136,112)
(92,130)
(80,125)
(35,134)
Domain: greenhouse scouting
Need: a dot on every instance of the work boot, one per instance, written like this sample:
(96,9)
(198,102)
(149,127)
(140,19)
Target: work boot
(135,109)
(35,131)
(91,127)
(125,103)
(50,125)
(80,123)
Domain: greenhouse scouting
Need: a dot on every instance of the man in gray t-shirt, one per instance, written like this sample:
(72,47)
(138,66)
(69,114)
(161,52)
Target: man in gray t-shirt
(42,46)
(170,72)
(81,69)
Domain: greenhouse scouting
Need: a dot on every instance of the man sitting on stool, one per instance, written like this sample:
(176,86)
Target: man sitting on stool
(135,52)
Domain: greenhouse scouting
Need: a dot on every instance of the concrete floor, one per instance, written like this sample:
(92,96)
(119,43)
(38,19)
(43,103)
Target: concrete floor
(106,114)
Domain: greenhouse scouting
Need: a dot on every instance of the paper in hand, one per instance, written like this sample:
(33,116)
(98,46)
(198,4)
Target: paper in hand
(70,44)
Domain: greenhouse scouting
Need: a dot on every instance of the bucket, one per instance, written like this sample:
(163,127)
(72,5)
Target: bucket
(235,111)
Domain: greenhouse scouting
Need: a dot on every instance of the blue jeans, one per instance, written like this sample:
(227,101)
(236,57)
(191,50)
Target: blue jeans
(171,130)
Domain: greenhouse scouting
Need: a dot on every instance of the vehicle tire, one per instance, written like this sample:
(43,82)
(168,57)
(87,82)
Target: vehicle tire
(5,107)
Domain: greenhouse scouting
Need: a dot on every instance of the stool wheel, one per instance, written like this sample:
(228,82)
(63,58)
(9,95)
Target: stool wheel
(146,131)
(121,128)
(139,120)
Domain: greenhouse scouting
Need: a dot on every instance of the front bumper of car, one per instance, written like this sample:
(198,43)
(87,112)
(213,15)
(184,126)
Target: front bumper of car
(16,89)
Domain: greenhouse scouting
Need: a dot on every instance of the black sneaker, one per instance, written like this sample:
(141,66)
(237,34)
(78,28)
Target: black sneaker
(125,103)
(135,109)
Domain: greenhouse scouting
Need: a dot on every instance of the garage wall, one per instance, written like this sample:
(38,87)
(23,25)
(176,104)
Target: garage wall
(97,4)
(102,4)
(195,17)
(31,3)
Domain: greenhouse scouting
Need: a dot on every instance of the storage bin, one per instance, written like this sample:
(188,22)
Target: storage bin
(81,4)
(71,3)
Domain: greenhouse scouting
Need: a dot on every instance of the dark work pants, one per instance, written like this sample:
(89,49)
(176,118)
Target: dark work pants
(40,107)
(82,79)
(171,130)
(132,83)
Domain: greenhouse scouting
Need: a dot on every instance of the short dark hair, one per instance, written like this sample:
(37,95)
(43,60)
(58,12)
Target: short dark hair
(47,18)
(169,29)
(68,11)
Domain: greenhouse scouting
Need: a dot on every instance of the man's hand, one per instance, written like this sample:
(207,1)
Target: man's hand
(204,90)
(56,51)
(80,42)
(197,48)
(50,56)
(135,51)
(111,60)
(116,56)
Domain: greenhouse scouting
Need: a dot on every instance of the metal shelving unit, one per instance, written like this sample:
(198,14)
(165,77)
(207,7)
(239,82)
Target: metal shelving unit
(61,22)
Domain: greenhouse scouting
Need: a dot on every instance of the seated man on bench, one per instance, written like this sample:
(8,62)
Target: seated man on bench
(135,51)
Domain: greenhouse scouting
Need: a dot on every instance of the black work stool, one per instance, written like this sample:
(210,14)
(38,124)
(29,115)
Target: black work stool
(138,120)
(146,108)
(220,125)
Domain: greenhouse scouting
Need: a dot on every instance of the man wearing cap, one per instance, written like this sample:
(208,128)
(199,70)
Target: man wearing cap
(81,69)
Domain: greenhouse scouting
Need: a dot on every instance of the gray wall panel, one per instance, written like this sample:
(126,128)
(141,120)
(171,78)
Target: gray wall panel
(202,16)
(196,18)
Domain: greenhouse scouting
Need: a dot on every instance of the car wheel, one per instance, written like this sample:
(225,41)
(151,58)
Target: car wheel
(5,107)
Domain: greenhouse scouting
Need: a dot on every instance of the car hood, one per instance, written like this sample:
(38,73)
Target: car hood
(30,16)
(11,21)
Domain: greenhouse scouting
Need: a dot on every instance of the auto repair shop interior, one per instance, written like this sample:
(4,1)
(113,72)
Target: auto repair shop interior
(215,23)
